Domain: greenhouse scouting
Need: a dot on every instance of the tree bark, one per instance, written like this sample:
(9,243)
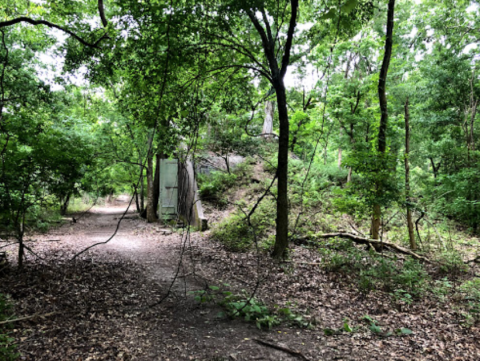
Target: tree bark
(268,122)
(411,233)
(349,176)
(339,162)
(382,96)
(281,241)
(64,206)
(151,214)
(435,168)
(472,121)
(156,183)
(136,197)
(339,158)
(142,192)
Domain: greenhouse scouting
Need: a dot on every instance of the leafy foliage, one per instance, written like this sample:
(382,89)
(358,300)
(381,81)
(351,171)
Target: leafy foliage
(7,348)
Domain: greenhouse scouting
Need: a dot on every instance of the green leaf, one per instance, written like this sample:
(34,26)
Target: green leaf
(347,327)
(375,329)
(329,15)
(349,6)
(184,113)
(328,332)
(405,331)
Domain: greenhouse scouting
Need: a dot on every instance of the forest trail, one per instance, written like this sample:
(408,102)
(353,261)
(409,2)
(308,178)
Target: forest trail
(103,300)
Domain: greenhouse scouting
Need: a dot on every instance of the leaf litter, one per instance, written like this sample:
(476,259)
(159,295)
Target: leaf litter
(100,304)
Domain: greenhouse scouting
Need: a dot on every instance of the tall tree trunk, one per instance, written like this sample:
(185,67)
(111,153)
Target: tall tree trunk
(156,183)
(411,234)
(21,252)
(472,121)
(64,206)
(277,75)
(20,233)
(349,176)
(135,193)
(268,122)
(281,241)
(382,96)
(339,158)
(142,191)
(340,152)
(227,163)
(151,214)
(435,168)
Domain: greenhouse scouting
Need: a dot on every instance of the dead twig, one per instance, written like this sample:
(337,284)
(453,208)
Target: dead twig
(28,317)
(281,348)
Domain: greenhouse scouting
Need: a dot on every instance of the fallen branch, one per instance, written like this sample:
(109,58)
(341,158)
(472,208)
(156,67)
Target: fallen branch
(281,348)
(28,317)
(368,242)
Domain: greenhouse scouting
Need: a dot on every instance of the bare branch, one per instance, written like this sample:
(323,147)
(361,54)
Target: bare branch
(102,13)
(24,19)
(288,43)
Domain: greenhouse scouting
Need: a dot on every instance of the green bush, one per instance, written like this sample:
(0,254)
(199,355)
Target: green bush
(7,348)
(213,186)
(237,236)
(250,309)
(234,233)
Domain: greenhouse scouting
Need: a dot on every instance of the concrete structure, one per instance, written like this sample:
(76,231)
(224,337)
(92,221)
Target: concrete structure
(179,198)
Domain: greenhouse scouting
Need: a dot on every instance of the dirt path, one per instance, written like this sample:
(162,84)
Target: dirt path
(102,300)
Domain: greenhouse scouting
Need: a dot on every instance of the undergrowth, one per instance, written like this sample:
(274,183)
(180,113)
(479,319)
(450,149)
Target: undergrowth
(235,233)
(406,280)
(7,347)
(249,308)
(212,187)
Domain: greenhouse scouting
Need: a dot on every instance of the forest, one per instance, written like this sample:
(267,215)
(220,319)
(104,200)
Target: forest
(333,147)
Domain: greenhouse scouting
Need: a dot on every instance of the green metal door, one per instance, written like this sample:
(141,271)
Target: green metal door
(168,204)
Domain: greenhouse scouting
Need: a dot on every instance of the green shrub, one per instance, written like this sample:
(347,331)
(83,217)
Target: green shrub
(237,236)
(405,280)
(7,348)
(442,288)
(451,263)
(471,292)
(471,289)
(234,233)
(213,186)
(251,310)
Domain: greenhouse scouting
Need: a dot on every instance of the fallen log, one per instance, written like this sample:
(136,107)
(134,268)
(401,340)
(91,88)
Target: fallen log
(369,242)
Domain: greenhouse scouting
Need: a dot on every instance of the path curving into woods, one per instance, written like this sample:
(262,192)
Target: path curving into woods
(100,303)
